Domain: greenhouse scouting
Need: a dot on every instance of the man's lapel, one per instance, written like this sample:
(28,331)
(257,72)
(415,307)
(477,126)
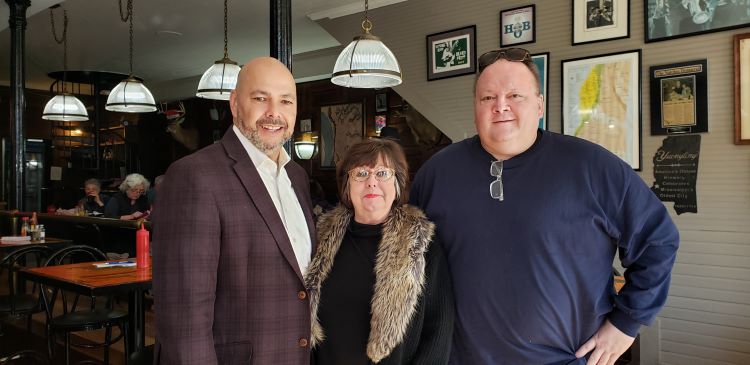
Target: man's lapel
(256,189)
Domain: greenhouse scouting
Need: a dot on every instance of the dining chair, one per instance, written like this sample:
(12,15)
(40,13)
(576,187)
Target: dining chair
(24,357)
(18,302)
(73,319)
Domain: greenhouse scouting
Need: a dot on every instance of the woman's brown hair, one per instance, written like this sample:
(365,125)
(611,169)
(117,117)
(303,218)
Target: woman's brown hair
(366,153)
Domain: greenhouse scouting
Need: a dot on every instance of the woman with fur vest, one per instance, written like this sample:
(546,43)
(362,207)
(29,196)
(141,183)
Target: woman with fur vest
(380,291)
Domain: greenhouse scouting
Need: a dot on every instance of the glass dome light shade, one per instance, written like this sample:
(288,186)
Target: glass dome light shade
(66,108)
(366,63)
(304,149)
(219,80)
(130,96)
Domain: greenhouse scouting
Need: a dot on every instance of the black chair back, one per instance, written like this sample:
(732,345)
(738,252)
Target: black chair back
(25,257)
(70,255)
(25,357)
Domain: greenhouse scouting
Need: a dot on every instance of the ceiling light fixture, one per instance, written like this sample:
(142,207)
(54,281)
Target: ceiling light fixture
(221,78)
(130,95)
(366,62)
(63,107)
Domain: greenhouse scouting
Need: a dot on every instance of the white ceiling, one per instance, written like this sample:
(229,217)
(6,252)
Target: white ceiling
(98,39)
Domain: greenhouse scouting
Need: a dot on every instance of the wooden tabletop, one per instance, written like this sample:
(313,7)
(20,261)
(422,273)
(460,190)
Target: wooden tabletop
(88,279)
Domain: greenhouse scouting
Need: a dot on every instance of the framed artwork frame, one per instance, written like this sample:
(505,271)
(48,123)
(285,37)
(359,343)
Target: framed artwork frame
(741,88)
(518,25)
(600,20)
(601,102)
(341,125)
(452,53)
(305,125)
(664,20)
(541,60)
(679,98)
(380,122)
(381,102)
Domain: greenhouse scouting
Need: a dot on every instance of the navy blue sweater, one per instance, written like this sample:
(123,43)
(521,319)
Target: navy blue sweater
(532,274)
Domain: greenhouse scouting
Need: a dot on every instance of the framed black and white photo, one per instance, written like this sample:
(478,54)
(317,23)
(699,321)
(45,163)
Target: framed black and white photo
(600,20)
(541,61)
(679,98)
(601,102)
(666,19)
(518,26)
(451,53)
(341,125)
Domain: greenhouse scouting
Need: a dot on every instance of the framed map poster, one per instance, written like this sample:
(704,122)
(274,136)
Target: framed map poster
(452,53)
(601,102)
(679,98)
(341,125)
(541,60)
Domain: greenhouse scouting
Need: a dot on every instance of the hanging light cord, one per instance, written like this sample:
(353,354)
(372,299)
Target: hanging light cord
(62,40)
(126,18)
(226,48)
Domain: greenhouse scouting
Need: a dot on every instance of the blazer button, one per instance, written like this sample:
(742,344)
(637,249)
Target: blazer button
(302,342)
(301,295)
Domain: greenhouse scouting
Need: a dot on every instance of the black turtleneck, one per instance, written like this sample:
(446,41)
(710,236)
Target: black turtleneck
(344,309)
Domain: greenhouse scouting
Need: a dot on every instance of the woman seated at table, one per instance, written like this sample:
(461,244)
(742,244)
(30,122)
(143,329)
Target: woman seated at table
(379,285)
(131,202)
(92,204)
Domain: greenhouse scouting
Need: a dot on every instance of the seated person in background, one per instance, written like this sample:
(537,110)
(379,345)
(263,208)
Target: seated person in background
(93,203)
(131,202)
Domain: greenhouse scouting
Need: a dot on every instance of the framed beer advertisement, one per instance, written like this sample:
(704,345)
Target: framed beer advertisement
(541,61)
(518,26)
(452,53)
(679,98)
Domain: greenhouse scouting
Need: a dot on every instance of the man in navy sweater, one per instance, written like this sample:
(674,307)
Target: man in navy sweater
(531,221)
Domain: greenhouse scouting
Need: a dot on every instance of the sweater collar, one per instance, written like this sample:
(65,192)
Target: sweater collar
(542,137)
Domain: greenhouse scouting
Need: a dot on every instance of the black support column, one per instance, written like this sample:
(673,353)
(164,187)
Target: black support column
(281,31)
(17,23)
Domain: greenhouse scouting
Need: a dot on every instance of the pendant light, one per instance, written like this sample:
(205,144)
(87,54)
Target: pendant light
(64,107)
(366,62)
(130,95)
(221,78)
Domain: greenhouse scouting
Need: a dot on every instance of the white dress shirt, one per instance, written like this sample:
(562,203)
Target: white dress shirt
(280,189)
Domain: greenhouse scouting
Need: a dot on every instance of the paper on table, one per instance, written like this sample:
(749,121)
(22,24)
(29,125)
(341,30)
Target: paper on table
(16,240)
(115,264)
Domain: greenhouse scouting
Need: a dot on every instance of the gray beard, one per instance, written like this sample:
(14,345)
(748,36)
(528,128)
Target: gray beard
(254,137)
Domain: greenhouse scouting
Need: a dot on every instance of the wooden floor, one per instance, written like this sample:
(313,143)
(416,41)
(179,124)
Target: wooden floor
(16,337)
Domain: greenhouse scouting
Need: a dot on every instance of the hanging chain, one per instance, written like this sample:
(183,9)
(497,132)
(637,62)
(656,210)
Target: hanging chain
(367,24)
(226,49)
(128,17)
(63,40)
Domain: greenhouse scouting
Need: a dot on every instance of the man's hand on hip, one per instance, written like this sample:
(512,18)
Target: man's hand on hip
(607,344)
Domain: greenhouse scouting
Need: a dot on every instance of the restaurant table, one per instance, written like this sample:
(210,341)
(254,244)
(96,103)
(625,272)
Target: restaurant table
(87,279)
(9,246)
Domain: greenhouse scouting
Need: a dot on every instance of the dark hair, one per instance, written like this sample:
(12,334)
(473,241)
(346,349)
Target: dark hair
(366,153)
(520,55)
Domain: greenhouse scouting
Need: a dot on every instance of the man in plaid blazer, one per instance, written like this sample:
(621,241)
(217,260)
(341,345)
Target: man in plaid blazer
(233,234)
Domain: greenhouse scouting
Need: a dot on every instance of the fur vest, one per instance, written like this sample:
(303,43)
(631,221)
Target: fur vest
(399,273)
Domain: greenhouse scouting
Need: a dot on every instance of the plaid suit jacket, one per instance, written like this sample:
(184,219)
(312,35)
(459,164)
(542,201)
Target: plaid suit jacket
(227,286)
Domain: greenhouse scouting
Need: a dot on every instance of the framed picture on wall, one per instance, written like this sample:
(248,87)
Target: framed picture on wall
(679,98)
(341,125)
(381,102)
(676,19)
(601,102)
(452,53)
(541,60)
(380,123)
(518,25)
(600,20)
(742,88)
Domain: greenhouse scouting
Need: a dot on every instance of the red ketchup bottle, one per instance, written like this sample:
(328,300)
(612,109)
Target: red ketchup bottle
(142,247)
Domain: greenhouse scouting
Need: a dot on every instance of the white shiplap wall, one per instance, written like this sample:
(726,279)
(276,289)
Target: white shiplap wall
(707,317)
